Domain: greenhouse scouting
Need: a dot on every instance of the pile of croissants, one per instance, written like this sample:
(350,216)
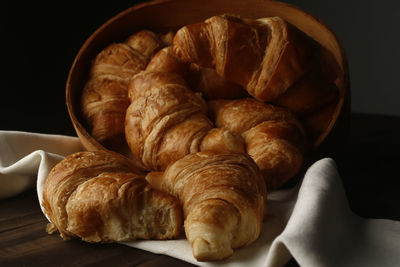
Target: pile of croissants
(215,115)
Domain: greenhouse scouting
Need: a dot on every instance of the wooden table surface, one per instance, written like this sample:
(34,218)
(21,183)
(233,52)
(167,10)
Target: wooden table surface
(369,172)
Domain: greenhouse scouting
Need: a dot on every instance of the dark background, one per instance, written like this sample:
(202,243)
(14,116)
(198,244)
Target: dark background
(370,33)
(42,38)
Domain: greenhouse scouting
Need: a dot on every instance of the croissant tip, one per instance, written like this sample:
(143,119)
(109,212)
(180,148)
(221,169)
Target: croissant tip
(203,251)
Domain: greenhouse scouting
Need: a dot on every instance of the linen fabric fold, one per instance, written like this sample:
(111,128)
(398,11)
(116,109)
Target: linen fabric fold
(311,222)
(25,156)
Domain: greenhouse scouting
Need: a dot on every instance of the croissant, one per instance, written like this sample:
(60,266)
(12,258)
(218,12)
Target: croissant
(211,85)
(165,61)
(105,96)
(273,136)
(203,80)
(223,198)
(166,120)
(314,90)
(101,197)
(265,56)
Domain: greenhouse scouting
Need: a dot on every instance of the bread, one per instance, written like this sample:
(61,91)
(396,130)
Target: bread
(101,197)
(314,96)
(211,85)
(104,98)
(265,56)
(220,140)
(274,138)
(199,79)
(166,120)
(308,94)
(165,61)
(223,198)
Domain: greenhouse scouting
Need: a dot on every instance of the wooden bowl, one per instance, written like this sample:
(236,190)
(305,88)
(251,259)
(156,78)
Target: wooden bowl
(161,15)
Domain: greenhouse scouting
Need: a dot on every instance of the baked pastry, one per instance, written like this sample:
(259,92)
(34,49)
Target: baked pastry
(274,138)
(221,140)
(166,120)
(211,85)
(314,96)
(165,61)
(101,197)
(105,96)
(199,79)
(265,56)
(310,93)
(223,198)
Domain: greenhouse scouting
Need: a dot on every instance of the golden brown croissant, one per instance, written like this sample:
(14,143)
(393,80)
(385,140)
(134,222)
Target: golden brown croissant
(166,120)
(100,197)
(211,85)
(315,89)
(220,140)
(274,138)
(165,61)
(223,198)
(265,56)
(314,96)
(310,93)
(105,95)
(199,79)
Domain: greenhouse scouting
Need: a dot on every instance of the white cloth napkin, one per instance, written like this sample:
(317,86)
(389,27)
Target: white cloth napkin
(310,222)
(24,157)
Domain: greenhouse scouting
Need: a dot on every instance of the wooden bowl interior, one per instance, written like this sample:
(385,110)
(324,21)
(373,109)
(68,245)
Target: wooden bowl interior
(172,14)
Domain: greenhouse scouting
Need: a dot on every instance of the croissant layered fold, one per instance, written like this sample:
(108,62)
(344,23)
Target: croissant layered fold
(166,120)
(105,96)
(223,198)
(101,197)
(265,56)
(273,136)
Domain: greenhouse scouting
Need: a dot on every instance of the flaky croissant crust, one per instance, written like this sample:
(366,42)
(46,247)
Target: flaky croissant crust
(101,197)
(223,198)
(265,56)
(105,96)
(273,136)
(166,120)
